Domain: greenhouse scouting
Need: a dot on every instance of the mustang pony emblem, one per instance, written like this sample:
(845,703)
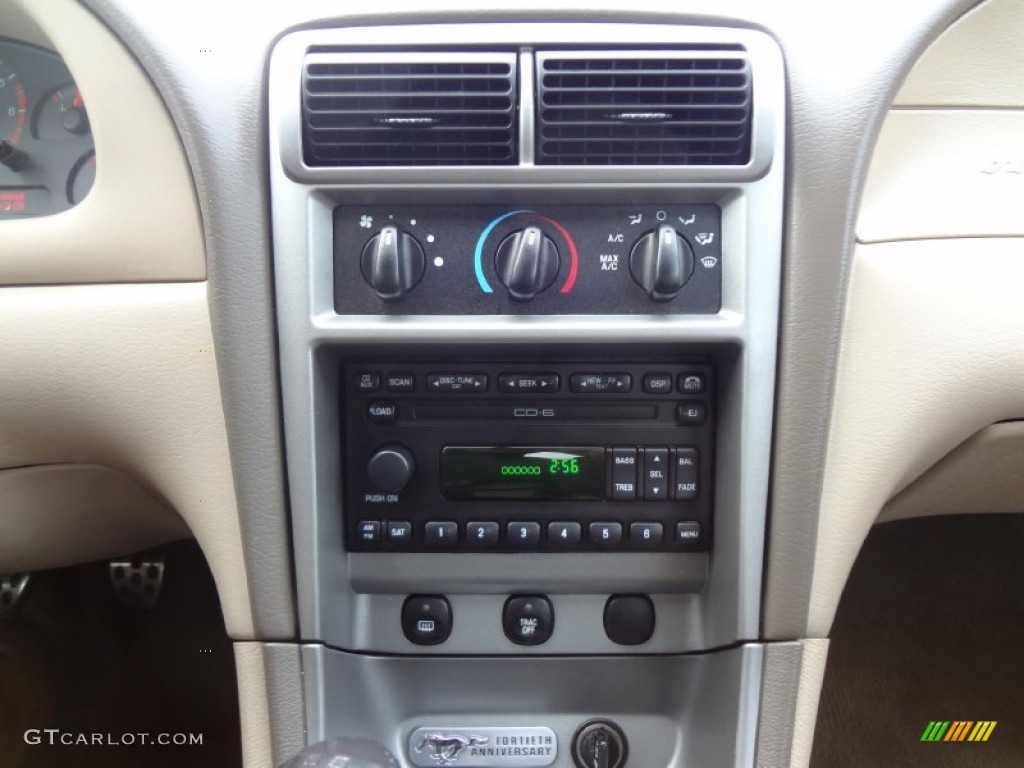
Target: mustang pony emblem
(445,748)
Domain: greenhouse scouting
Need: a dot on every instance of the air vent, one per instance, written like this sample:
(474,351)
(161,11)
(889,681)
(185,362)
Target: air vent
(644,108)
(401,109)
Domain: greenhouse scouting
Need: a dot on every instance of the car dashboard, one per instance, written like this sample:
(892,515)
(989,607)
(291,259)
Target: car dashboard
(530,377)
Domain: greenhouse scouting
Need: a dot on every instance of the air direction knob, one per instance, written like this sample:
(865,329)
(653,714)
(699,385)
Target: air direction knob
(661,262)
(392,263)
(527,263)
(391,468)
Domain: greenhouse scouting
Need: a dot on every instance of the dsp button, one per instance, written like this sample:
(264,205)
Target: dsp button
(457,382)
(601,383)
(528,619)
(528,383)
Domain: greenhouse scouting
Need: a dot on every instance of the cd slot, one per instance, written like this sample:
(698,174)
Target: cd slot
(462,411)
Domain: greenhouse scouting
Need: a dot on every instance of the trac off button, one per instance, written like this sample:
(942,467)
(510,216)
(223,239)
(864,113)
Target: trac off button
(528,619)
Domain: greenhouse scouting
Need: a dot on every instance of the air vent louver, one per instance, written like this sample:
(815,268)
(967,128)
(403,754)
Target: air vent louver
(409,109)
(644,108)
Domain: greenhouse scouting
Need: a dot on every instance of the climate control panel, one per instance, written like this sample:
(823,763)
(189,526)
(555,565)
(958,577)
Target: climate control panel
(522,259)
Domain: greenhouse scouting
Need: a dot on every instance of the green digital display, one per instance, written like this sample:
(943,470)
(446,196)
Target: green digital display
(534,473)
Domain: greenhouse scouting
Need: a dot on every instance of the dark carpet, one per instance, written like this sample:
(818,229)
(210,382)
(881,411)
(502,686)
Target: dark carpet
(930,627)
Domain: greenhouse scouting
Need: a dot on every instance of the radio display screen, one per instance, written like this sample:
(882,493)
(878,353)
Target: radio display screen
(523,473)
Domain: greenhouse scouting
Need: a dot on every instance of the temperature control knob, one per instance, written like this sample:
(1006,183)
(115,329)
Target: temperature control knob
(661,262)
(391,468)
(392,263)
(527,263)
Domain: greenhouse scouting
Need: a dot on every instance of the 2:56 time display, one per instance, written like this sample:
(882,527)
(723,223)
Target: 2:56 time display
(538,473)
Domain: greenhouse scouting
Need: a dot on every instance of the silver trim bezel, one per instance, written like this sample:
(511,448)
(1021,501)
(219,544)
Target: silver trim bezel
(339,597)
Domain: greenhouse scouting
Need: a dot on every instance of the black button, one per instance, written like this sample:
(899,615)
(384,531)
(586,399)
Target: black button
(381,411)
(629,619)
(655,474)
(686,473)
(523,534)
(623,474)
(441,534)
(601,383)
(692,412)
(564,534)
(607,534)
(646,534)
(692,383)
(657,383)
(366,381)
(482,534)
(528,620)
(400,382)
(426,619)
(688,532)
(528,383)
(398,531)
(369,531)
(457,382)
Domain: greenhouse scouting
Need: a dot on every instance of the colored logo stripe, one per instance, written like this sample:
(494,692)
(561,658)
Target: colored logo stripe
(935,731)
(982,730)
(958,730)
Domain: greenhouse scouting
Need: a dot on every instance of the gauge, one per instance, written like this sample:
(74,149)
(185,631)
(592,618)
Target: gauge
(61,114)
(83,174)
(47,155)
(13,105)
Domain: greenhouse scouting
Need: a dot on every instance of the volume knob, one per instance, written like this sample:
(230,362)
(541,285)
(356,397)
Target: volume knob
(391,468)
(392,263)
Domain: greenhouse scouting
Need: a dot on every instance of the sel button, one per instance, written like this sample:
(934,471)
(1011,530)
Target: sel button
(656,474)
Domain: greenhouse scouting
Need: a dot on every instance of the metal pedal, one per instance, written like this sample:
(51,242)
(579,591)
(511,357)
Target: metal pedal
(12,590)
(137,582)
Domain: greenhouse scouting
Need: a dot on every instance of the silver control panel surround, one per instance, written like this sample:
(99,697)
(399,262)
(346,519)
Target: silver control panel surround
(675,711)
(345,599)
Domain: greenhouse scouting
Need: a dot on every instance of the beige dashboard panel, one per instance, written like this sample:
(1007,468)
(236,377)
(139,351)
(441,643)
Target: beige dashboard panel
(140,221)
(977,62)
(945,173)
(933,351)
(984,474)
(124,376)
(62,514)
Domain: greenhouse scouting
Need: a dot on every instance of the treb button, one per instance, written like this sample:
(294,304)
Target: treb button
(623,473)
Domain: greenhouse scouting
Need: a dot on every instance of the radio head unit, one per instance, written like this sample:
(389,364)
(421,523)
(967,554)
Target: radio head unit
(512,457)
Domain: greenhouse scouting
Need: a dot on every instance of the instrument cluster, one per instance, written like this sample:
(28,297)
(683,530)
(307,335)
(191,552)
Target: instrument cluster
(47,156)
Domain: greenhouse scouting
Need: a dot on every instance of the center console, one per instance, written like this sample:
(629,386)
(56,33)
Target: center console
(527,290)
